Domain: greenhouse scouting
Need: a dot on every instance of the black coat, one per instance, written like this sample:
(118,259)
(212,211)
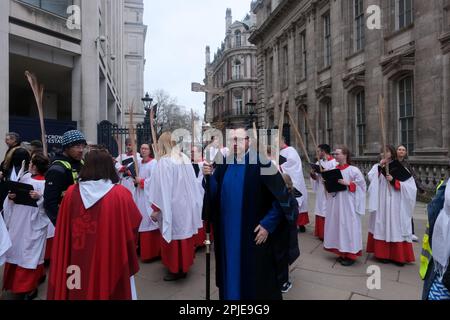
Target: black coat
(259,268)
(57,180)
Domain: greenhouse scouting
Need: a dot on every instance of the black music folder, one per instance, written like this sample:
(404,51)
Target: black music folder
(397,171)
(331,179)
(22,192)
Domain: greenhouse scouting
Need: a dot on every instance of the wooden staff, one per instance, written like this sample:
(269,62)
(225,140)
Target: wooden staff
(383,131)
(133,139)
(313,137)
(38,90)
(383,135)
(299,136)
(193,130)
(152,128)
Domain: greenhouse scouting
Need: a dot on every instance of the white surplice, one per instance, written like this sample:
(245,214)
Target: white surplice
(27,227)
(176,192)
(344,211)
(318,187)
(142,196)
(390,209)
(127,182)
(293,168)
(5,241)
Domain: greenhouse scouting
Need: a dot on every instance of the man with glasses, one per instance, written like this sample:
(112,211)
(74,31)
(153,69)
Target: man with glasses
(249,205)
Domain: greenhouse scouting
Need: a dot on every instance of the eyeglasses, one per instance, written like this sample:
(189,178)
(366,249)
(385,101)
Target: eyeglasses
(235,139)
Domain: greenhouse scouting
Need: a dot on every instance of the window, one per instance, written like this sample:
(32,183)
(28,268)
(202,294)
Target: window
(58,7)
(327,39)
(237,70)
(404,13)
(238,38)
(304,56)
(269,70)
(329,123)
(284,70)
(238,105)
(359,25)
(406,110)
(360,122)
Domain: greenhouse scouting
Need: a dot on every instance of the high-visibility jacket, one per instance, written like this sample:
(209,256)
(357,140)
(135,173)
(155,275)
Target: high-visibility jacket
(426,255)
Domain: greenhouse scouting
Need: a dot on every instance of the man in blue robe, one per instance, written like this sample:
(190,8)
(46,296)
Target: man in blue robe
(247,220)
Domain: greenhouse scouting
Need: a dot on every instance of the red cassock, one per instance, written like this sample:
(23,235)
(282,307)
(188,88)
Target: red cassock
(100,241)
(320,227)
(303,219)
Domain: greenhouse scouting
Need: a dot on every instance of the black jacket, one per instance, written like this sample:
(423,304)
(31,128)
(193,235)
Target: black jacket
(57,180)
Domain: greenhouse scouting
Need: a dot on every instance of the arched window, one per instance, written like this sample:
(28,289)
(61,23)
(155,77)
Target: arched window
(406,112)
(237,70)
(238,38)
(238,105)
(360,121)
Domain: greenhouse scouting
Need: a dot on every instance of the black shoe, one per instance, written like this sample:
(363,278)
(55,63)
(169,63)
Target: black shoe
(286,287)
(42,279)
(31,296)
(399,264)
(340,259)
(175,276)
(302,229)
(383,261)
(347,262)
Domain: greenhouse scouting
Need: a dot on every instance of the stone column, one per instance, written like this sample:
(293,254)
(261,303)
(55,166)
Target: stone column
(4,72)
(276,82)
(89,69)
(446,100)
(76,90)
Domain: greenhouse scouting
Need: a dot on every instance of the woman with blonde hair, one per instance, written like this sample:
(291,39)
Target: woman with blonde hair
(177,200)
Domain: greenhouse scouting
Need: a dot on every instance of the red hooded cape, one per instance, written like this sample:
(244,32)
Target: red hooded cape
(101,241)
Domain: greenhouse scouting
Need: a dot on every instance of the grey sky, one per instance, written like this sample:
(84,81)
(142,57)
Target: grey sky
(178,32)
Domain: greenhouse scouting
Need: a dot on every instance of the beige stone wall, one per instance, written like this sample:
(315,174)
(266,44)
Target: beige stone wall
(420,50)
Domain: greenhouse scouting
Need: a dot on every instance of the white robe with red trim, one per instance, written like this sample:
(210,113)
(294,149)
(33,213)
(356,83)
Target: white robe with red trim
(390,210)
(318,187)
(27,227)
(176,191)
(127,182)
(142,196)
(293,167)
(344,211)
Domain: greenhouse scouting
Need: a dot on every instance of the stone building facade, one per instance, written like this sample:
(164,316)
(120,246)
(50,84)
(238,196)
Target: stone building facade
(86,69)
(320,56)
(232,75)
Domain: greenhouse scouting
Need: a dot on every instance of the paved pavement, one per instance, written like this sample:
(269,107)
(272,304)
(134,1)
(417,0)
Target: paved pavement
(316,275)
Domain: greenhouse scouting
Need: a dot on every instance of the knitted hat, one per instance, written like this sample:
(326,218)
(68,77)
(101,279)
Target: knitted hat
(72,138)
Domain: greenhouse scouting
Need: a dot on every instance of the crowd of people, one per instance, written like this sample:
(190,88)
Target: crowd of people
(91,217)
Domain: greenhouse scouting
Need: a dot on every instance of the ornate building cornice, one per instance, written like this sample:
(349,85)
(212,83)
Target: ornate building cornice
(354,80)
(445,42)
(323,92)
(401,61)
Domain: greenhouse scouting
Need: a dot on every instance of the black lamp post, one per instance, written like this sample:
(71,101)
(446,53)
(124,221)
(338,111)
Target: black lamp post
(147,102)
(251,106)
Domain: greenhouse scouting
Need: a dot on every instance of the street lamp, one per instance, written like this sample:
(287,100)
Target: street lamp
(251,106)
(147,102)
